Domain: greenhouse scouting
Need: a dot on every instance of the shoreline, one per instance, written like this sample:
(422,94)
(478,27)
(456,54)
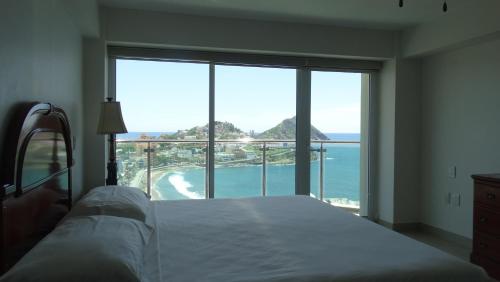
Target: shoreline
(159,173)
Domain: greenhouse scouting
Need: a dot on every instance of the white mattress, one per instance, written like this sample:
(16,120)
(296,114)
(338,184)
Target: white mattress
(287,239)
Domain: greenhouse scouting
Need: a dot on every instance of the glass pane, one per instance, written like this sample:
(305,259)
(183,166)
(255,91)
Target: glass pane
(132,163)
(238,169)
(178,170)
(280,160)
(315,169)
(165,103)
(342,174)
(45,155)
(336,123)
(253,104)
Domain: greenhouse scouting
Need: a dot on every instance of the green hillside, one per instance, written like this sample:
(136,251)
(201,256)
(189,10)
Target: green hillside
(287,130)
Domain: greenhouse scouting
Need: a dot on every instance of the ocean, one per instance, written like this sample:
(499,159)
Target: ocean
(341,179)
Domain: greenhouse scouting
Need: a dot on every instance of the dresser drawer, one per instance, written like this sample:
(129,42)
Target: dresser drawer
(487,195)
(487,245)
(486,221)
(491,267)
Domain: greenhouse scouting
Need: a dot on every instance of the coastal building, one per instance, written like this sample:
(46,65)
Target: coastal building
(250,155)
(185,154)
(224,156)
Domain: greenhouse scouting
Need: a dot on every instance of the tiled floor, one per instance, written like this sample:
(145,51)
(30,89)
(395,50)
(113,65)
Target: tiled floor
(455,249)
(452,248)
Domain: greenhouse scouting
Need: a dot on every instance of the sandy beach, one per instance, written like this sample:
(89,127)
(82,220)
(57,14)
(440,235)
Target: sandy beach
(156,174)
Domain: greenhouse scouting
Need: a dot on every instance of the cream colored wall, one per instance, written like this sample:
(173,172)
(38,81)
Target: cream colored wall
(40,60)
(147,28)
(95,84)
(397,135)
(460,127)
(365,206)
(466,27)
(385,138)
(407,142)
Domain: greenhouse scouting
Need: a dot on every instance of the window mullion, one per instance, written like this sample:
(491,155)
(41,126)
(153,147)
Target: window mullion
(211,131)
(303,132)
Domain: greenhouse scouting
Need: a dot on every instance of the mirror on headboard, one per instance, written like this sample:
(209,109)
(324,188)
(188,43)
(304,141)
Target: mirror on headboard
(45,155)
(36,178)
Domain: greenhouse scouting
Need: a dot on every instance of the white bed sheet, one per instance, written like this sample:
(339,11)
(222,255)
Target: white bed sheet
(287,239)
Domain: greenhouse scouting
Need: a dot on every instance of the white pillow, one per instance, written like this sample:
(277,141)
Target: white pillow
(114,200)
(92,248)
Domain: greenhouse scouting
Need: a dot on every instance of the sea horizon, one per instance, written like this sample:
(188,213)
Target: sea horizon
(334,136)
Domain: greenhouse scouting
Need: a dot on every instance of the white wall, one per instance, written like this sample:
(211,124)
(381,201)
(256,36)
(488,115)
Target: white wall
(384,165)
(407,142)
(478,23)
(460,126)
(366,208)
(95,83)
(397,162)
(40,60)
(457,119)
(85,15)
(199,32)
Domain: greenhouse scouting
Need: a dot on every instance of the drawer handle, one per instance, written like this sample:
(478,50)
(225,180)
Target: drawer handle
(490,196)
(483,219)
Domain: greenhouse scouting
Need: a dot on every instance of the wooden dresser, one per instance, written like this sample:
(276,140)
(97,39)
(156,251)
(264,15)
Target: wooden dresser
(486,241)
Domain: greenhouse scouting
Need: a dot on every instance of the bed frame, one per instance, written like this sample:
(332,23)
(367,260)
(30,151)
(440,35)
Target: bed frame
(35,178)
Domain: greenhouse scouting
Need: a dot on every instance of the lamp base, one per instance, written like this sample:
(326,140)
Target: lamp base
(112,176)
(112,167)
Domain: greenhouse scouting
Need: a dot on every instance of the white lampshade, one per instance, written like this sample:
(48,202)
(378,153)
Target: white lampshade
(110,119)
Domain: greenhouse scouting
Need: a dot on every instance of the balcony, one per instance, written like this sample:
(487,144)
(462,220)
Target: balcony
(243,168)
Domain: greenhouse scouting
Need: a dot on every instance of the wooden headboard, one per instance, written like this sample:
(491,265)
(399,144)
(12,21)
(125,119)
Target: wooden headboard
(35,178)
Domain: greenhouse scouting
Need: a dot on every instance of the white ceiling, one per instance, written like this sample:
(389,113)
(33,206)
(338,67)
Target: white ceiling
(379,14)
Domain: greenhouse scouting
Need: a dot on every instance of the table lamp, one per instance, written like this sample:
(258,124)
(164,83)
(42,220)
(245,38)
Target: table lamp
(111,122)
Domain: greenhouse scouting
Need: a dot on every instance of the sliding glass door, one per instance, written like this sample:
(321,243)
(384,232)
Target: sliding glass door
(201,130)
(165,108)
(335,138)
(254,131)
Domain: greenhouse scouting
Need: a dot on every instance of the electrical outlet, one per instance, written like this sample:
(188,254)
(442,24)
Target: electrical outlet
(455,200)
(452,172)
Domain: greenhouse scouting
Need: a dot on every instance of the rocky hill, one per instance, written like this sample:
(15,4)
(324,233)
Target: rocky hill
(286,130)
(223,130)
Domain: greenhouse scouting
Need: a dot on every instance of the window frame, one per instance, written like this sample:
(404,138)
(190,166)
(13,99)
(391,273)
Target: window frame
(303,65)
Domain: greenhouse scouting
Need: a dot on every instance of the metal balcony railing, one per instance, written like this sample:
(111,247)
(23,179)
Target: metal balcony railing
(151,147)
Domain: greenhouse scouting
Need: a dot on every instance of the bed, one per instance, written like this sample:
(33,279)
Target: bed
(116,234)
(287,239)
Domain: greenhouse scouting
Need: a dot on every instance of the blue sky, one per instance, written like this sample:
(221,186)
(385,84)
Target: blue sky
(167,96)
